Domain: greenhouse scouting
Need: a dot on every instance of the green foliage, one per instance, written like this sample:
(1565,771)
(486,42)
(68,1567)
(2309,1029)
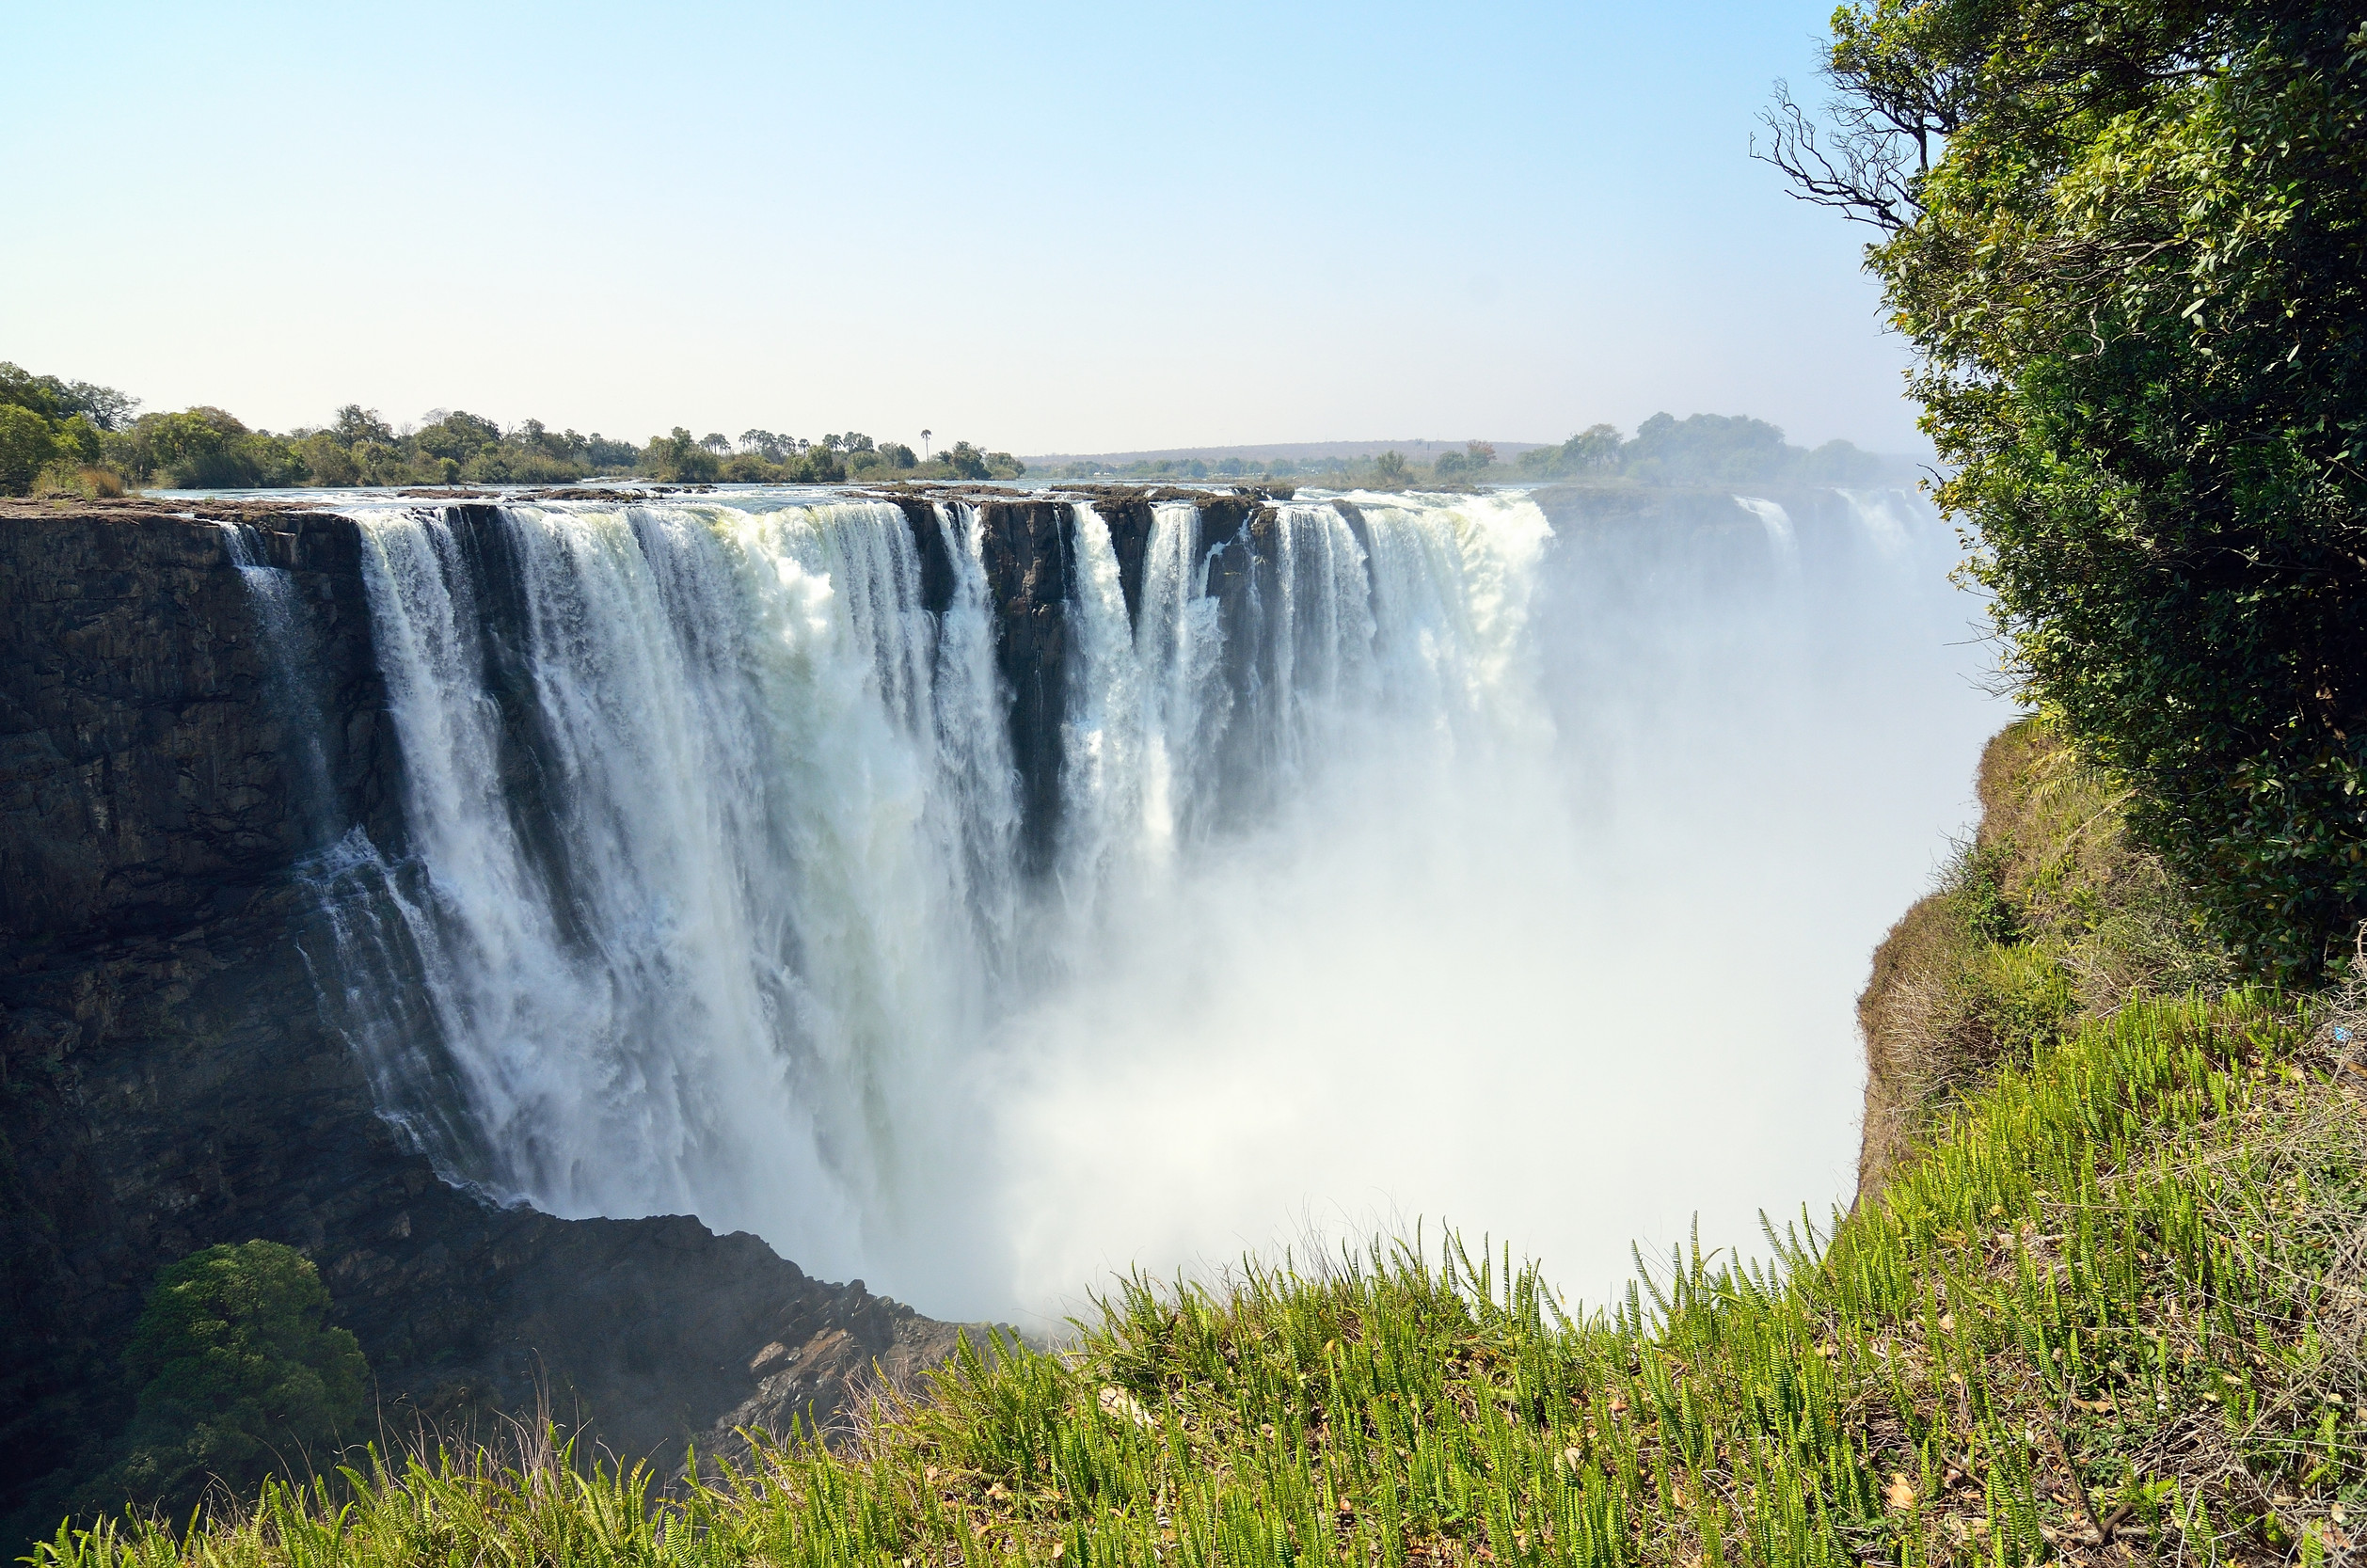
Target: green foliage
(2137,282)
(964,460)
(1701,449)
(104,407)
(2114,1305)
(2049,915)
(1472,459)
(25,448)
(48,426)
(237,1375)
(54,427)
(677,459)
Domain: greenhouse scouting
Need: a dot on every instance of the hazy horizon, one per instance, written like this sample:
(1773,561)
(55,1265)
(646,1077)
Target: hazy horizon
(1043,230)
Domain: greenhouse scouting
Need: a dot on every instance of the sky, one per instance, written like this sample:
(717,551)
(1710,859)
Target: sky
(1042,228)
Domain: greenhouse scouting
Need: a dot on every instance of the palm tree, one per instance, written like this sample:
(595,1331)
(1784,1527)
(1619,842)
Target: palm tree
(923,445)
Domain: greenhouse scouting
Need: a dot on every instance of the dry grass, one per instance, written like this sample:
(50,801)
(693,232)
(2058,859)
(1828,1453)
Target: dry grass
(2047,915)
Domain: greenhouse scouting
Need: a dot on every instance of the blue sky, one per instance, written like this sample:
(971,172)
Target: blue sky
(1042,228)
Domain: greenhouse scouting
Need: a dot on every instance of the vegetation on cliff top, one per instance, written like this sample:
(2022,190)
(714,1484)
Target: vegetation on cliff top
(74,436)
(1703,449)
(2129,244)
(2049,914)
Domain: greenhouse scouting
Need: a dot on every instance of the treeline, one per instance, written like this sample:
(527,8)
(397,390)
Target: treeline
(72,436)
(55,428)
(1385,470)
(1703,449)
(761,457)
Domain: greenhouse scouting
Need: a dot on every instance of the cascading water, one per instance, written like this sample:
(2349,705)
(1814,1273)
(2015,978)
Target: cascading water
(1102,737)
(1782,538)
(1882,513)
(711,888)
(718,891)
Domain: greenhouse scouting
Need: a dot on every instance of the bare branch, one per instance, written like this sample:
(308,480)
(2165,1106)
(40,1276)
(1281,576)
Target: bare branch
(1868,172)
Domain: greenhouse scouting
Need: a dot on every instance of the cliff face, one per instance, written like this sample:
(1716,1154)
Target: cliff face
(166,1082)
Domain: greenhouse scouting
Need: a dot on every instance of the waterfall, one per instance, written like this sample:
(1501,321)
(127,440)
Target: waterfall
(976,800)
(1782,538)
(1179,644)
(710,895)
(1879,518)
(1101,737)
(290,691)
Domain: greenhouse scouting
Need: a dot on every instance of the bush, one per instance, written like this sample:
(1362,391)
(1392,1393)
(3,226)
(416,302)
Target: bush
(678,459)
(236,1371)
(2137,283)
(25,448)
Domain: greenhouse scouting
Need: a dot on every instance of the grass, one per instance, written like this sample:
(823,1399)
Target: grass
(2049,915)
(2113,1307)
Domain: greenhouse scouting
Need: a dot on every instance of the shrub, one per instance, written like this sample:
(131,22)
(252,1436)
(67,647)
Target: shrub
(235,1370)
(25,448)
(2136,278)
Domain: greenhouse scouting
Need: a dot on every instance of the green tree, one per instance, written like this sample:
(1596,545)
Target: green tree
(356,424)
(196,449)
(26,447)
(458,435)
(53,399)
(236,1372)
(1389,468)
(2129,243)
(679,459)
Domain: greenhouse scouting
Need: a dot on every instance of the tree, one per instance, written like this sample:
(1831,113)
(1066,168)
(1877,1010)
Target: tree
(24,448)
(103,406)
(458,435)
(2129,244)
(356,423)
(235,1370)
(1594,449)
(1389,468)
(680,459)
(197,448)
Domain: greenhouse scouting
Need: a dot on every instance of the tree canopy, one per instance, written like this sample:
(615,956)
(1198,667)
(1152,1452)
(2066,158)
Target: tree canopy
(70,434)
(46,423)
(2129,243)
(236,1373)
(1701,449)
